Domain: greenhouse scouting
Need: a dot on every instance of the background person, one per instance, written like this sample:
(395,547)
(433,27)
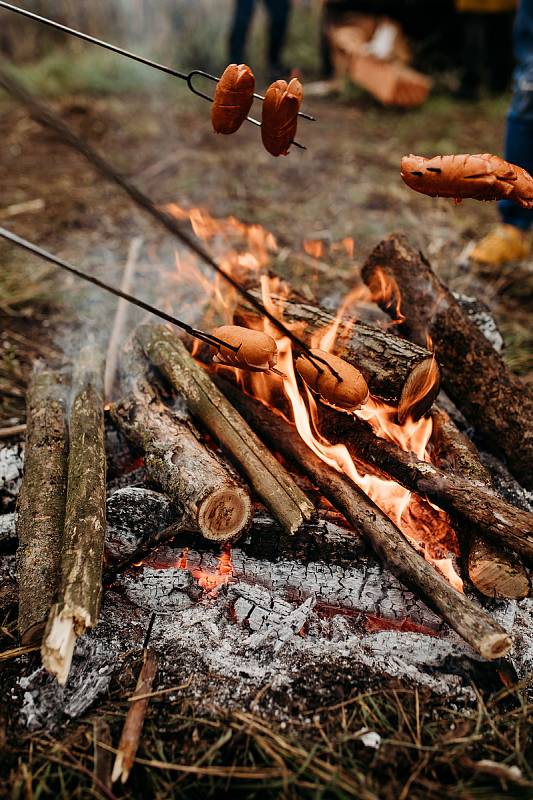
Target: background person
(509,241)
(278,16)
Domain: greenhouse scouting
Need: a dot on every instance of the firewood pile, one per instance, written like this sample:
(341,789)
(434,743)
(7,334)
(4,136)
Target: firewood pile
(253,527)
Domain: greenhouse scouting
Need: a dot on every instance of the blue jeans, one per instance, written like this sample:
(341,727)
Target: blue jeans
(278,13)
(519,135)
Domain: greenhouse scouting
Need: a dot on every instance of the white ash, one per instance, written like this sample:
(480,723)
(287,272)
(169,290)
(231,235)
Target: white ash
(480,314)
(11,469)
(8,531)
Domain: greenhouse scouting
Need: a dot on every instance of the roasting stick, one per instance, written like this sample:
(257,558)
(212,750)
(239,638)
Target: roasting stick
(469,620)
(120,317)
(78,603)
(47,118)
(184,76)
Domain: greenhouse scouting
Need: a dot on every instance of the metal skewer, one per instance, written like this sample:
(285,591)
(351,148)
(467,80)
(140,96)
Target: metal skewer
(184,76)
(59,262)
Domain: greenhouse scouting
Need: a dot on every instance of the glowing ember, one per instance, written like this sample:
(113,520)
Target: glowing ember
(211,581)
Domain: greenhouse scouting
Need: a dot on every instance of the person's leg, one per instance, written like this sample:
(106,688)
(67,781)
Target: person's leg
(242,16)
(473,61)
(508,241)
(278,11)
(519,135)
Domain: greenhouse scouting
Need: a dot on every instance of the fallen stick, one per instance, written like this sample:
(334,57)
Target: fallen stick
(41,503)
(83,539)
(121,314)
(494,571)
(479,506)
(470,621)
(214,500)
(400,373)
(132,730)
(475,376)
(12,430)
(270,480)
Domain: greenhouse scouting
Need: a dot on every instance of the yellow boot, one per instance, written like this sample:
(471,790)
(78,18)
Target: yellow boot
(503,244)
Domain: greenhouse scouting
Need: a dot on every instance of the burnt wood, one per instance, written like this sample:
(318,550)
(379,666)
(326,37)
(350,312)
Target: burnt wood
(270,480)
(478,505)
(213,498)
(494,570)
(470,621)
(475,376)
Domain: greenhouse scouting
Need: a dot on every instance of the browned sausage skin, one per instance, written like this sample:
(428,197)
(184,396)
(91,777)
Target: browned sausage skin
(233,99)
(280,115)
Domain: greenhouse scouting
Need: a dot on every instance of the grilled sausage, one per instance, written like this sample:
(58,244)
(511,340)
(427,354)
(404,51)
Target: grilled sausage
(280,115)
(257,351)
(349,393)
(233,99)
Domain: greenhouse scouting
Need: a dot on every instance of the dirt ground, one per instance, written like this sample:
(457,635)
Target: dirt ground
(346,184)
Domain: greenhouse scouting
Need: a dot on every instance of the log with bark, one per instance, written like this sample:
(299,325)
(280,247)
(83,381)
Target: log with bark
(479,506)
(494,570)
(475,376)
(470,621)
(270,480)
(398,372)
(41,503)
(78,603)
(213,499)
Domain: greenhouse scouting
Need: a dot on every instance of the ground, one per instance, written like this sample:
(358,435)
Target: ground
(345,184)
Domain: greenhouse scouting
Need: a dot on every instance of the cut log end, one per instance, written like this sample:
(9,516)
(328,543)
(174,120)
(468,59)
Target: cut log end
(495,645)
(419,391)
(496,574)
(225,514)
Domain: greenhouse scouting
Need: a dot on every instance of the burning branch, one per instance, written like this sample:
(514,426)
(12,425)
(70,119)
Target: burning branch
(494,571)
(475,375)
(83,539)
(473,624)
(271,481)
(41,504)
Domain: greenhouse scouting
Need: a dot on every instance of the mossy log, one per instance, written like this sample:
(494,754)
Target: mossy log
(80,589)
(41,503)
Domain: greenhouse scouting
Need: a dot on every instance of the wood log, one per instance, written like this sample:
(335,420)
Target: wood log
(80,589)
(398,372)
(41,503)
(132,730)
(270,480)
(475,376)
(494,570)
(470,621)
(212,499)
(479,506)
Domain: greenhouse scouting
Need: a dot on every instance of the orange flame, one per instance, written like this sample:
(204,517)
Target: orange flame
(246,251)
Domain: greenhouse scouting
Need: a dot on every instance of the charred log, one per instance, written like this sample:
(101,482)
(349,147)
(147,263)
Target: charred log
(213,498)
(494,570)
(469,620)
(477,505)
(84,532)
(41,503)
(398,372)
(475,376)
(270,480)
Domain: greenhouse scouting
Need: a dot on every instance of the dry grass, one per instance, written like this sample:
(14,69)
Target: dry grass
(428,750)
